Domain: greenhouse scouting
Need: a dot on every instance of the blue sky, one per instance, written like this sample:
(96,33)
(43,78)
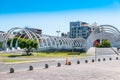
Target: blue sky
(23,6)
(53,15)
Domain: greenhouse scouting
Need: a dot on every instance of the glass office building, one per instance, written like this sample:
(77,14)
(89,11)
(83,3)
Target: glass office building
(79,30)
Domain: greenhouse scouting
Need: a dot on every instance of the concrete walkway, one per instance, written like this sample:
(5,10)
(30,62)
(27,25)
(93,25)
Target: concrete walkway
(105,70)
(40,63)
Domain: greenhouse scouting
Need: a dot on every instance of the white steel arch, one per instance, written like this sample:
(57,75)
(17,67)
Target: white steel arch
(108,32)
(46,42)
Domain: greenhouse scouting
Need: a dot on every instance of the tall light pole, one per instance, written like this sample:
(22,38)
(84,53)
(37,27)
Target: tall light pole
(58,36)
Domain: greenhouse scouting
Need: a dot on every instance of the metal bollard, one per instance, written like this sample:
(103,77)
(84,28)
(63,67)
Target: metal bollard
(98,60)
(110,58)
(30,68)
(116,58)
(46,66)
(93,60)
(103,59)
(86,61)
(78,62)
(58,65)
(69,63)
(12,70)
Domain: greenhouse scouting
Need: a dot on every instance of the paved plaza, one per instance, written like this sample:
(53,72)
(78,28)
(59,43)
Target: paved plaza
(104,70)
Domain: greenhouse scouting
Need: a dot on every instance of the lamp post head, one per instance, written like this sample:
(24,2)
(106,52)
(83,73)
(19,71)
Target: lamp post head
(58,32)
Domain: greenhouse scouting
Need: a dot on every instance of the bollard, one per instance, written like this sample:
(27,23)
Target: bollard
(98,60)
(58,65)
(86,61)
(110,58)
(78,62)
(66,61)
(116,58)
(46,66)
(93,60)
(11,70)
(30,68)
(69,63)
(103,59)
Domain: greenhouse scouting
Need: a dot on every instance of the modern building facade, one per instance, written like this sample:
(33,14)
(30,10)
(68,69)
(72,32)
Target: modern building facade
(1,35)
(79,30)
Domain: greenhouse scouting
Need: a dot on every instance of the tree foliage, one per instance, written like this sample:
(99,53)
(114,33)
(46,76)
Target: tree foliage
(8,42)
(13,42)
(1,44)
(27,44)
(104,44)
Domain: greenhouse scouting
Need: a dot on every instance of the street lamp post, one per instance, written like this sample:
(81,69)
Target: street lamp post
(58,37)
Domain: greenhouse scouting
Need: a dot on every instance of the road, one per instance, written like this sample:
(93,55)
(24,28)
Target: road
(4,68)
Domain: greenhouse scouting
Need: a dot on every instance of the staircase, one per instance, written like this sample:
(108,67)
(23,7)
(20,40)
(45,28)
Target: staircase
(105,51)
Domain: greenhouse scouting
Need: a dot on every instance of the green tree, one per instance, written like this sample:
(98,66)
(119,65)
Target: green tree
(8,42)
(1,44)
(28,45)
(104,43)
(13,43)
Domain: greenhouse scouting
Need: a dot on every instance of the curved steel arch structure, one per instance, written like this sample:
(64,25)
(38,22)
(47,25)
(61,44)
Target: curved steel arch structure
(54,42)
(108,32)
(10,31)
(46,42)
(111,27)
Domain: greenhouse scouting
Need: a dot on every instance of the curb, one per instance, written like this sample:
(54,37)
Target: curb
(22,62)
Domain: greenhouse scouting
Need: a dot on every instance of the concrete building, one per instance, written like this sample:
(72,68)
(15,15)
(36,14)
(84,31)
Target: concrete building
(65,35)
(38,31)
(2,34)
(79,30)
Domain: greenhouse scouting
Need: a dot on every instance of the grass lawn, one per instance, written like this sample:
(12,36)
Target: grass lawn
(59,54)
(9,54)
(39,55)
(45,55)
(12,60)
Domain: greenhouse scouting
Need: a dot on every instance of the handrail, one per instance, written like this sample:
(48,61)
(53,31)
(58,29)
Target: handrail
(115,51)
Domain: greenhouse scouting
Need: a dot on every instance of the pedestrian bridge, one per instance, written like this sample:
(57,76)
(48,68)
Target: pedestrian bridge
(48,42)
(111,33)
